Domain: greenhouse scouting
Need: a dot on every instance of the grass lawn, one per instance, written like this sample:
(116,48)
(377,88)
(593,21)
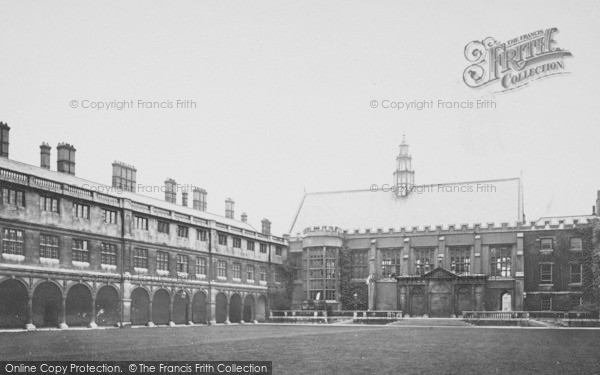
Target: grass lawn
(328,349)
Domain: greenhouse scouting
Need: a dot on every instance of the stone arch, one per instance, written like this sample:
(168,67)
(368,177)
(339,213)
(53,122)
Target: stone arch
(78,306)
(261,312)
(161,306)
(248,314)
(418,303)
(235,308)
(181,301)
(140,306)
(199,307)
(108,306)
(221,307)
(47,304)
(14,297)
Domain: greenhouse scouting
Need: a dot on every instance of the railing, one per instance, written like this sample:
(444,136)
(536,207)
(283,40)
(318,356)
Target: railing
(324,316)
(561,315)
(495,315)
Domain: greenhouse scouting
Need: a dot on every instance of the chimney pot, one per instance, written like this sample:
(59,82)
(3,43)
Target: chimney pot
(184,198)
(199,199)
(124,176)
(4,130)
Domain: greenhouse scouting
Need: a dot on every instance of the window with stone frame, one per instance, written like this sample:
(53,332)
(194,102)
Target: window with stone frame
(13,197)
(576,244)
(546,244)
(424,258)
(109,216)
(81,210)
(201,235)
(263,273)
(278,250)
(237,270)
(263,248)
(360,264)
(48,246)
(162,261)
(221,268)
(182,263)
(249,272)
(140,258)
(500,261)
(201,266)
(546,303)
(575,271)
(545,273)
(163,227)
(183,231)
(250,245)
(108,254)
(49,204)
(222,239)
(460,259)
(390,262)
(80,251)
(237,242)
(330,274)
(141,222)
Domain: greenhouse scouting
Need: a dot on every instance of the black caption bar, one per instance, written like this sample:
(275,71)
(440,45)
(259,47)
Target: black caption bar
(135,367)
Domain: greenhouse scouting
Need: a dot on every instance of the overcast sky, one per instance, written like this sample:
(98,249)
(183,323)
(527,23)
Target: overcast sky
(283,92)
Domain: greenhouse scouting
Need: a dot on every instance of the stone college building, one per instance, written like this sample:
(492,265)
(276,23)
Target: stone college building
(80,253)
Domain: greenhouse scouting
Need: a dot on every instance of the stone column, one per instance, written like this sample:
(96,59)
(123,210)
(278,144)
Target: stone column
(29,326)
(242,312)
(405,266)
(212,316)
(126,312)
(63,314)
(93,320)
(519,275)
(150,322)
(190,322)
(171,322)
(476,257)
(441,253)
(227,312)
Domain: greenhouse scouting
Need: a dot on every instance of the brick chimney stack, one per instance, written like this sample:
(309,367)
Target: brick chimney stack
(229,205)
(65,158)
(45,155)
(4,130)
(170,190)
(266,227)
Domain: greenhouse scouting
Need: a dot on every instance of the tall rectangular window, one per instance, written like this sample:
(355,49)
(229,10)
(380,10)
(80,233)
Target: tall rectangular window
(390,262)
(162,261)
(222,268)
(201,235)
(330,274)
(141,222)
(545,273)
(546,303)
(237,242)
(80,251)
(263,248)
(575,273)
(13,197)
(48,246)
(316,284)
(249,272)
(200,266)
(49,204)
(278,250)
(359,264)
(222,239)
(109,216)
(460,259)
(108,254)
(263,273)
(182,263)
(163,227)
(237,270)
(250,245)
(501,261)
(182,231)
(424,259)
(140,258)
(81,210)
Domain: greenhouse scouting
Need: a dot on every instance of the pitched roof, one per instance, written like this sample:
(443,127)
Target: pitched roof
(68,179)
(498,201)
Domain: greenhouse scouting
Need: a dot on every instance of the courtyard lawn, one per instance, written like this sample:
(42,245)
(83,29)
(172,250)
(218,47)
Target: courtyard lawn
(308,349)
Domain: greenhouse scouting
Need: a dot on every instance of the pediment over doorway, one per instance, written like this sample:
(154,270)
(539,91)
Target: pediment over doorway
(440,273)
